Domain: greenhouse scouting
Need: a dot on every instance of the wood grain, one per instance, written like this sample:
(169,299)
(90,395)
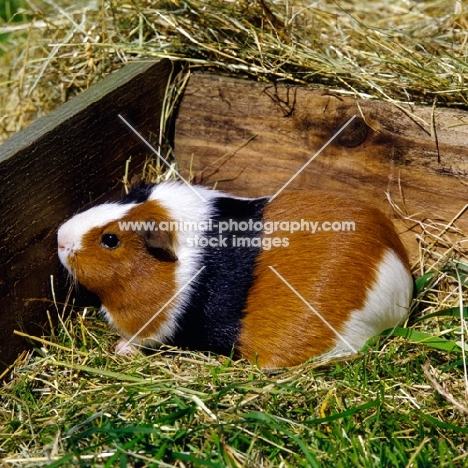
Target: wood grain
(251,138)
(50,170)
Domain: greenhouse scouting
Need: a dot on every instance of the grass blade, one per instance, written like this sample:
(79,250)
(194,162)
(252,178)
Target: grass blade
(418,337)
(451,312)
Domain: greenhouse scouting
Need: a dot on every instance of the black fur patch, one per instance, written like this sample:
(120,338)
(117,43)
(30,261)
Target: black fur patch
(138,193)
(211,318)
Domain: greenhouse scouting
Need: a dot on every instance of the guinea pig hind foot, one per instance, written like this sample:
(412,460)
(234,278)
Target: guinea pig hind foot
(125,348)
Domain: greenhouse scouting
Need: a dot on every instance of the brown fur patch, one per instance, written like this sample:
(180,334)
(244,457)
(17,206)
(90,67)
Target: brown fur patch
(331,270)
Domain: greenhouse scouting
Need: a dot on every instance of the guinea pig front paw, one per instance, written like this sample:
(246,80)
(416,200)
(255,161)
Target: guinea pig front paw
(125,348)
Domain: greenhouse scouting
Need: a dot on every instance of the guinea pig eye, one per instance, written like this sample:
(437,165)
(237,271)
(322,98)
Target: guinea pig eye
(110,240)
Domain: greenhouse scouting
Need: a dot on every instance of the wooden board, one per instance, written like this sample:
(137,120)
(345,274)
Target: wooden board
(253,137)
(64,160)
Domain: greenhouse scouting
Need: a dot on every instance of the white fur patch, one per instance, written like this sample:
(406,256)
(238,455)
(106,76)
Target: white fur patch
(70,234)
(184,204)
(386,306)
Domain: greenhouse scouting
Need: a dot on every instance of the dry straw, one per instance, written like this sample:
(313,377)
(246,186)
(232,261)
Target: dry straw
(404,50)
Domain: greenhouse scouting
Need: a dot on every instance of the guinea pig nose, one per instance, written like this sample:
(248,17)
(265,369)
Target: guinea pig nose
(63,244)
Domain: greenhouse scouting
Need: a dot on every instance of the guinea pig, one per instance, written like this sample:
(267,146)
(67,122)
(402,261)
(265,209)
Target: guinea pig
(273,280)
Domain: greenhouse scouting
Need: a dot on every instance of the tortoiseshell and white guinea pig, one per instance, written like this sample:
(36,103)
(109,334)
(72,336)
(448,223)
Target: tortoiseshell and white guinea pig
(278,282)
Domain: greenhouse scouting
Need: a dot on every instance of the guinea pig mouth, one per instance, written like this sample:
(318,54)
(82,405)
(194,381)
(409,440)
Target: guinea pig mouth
(63,254)
(66,257)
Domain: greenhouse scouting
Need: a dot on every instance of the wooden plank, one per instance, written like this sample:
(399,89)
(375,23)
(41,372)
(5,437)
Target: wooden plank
(73,155)
(252,137)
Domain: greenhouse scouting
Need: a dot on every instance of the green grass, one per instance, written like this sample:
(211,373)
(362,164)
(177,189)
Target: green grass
(74,403)
(9,10)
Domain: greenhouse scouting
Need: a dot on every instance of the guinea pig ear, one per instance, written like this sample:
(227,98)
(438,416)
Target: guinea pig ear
(160,244)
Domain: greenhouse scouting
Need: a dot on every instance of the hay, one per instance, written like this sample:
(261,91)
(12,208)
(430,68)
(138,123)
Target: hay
(404,51)
(373,49)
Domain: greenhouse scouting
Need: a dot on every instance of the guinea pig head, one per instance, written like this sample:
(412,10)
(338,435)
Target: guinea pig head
(117,252)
